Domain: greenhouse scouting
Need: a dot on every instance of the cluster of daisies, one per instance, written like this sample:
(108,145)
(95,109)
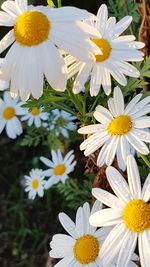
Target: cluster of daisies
(13,113)
(42,44)
(57,171)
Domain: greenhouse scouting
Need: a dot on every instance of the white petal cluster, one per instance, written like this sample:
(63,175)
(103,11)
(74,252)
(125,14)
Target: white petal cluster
(117,52)
(119,140)
(59,167)
(26,62)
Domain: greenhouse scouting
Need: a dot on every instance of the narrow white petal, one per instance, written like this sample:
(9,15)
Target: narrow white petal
(10,8)
(118,184)
(90,129)
(80,226)
(133,177)
(106,81)
(82,77)
(112,244)
(137,143)
(144,248)
(118,100)
(123,24)
(7,41)
(68,224)
(146,189)
(96,80)
(52,71)
(67,261)
(112,149)
(104,113)
(127,249)
(102,16)
(6,19)
(107,198)
(143,122)
(106,217)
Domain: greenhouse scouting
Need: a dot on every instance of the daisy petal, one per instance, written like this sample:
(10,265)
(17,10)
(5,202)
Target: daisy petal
(144,248)
(118,184)
(137,144)
(127,249)
(7,41)
(114,240)
(118,100)
(107,198)
(106,217)
(146,189)
(68,225)
(133,177)
(6,19)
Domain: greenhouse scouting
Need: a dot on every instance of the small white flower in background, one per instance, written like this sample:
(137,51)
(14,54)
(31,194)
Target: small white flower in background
(62,122)
(34,183)
(129,212)
(34,116)
(38,32)
(120,129)
(117,51)
(59,167)
(83,245)
(9,110)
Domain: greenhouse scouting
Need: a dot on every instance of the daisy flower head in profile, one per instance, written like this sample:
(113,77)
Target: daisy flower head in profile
(120,129)
(59,167)
(62,122)
(34,183)
(116,50)
(83,244)
(38,32)
(34,116)
(9,110)
(128,212)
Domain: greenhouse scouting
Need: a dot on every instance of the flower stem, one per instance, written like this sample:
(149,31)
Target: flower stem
(59,4)
(145,159)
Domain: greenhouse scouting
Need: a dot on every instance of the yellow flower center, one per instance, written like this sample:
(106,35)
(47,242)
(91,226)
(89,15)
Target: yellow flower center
(86,249)
(35,111)
(120,125)
(136,216)
(59,169)
(8,113)
(105,47)
(35,184)
(31,28)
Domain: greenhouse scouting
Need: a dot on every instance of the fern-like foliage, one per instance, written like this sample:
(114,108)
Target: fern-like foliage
(76,193)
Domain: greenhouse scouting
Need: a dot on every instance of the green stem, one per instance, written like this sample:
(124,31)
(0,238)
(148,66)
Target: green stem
(59,4)
(145,159)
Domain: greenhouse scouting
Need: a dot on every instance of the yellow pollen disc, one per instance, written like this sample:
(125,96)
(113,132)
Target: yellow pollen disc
(136,216)
(35,184)
(120,125)
(31,28)
(8,113)
(59,169)
(35,111)
(86,249)
(105,47)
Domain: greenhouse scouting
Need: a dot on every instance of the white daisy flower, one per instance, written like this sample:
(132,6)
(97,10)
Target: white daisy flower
(117,50)
(59,167)
(37,33)
(83,245)
(34,183)
(34,116)
(119,130)
(9,110)
(62,122)
(129,211)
